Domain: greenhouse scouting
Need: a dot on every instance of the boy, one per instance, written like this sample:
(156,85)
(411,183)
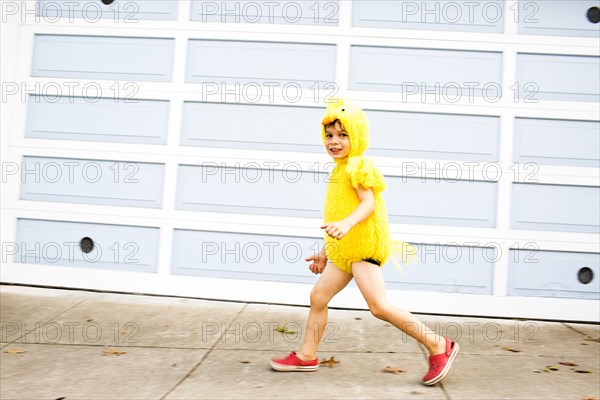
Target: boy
(357,244)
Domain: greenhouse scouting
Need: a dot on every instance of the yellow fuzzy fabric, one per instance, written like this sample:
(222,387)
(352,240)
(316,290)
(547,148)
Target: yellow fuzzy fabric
(371,237)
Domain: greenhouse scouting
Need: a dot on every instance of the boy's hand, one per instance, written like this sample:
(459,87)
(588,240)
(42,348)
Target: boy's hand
(337,230)
(319,261)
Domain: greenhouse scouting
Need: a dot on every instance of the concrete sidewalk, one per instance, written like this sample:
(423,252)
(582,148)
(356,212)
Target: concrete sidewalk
(64,344)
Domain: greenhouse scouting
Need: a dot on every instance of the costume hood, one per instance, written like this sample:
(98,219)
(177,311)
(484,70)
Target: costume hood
(354,120)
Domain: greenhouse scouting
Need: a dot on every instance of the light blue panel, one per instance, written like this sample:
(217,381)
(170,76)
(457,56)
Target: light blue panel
(251,188)
(440,15)
(552,274)
(103,57)
(104,120)
(260,127)
(441,202)
(557,142)
(256,63)
(114,183)
(243,256)
(554,77)
(452,74)
(115,247)
(121,11)
(314,12)
(556,208)
(557,18)
(437,136)
(445,268)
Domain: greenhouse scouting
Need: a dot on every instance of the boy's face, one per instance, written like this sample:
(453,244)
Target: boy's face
(337,141)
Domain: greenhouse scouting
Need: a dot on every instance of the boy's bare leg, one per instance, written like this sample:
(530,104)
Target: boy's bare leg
(370,281)
(331,281)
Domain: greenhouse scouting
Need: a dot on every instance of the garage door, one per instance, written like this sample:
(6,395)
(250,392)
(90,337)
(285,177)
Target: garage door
(174,147)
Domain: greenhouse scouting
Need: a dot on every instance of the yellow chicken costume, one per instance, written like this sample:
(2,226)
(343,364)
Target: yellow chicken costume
(369,239)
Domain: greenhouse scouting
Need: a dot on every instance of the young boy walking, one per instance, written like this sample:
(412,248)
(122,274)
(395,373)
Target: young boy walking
(357,244)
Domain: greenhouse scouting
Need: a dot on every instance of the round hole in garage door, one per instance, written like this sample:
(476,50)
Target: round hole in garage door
(585,275)
(593,15)
(86,244)
(107,2)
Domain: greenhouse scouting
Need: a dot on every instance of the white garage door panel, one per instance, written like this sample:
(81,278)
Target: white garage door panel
(250,189)
(244,256)
(103,57)
(115,247)
(440,15)
(442,202)
(394,69)
(314,12)
(445,268)
(241,62)
(247,126)
(557,18)
(556,142)
(125,11)
(562,78)
(434,136)
(553,274)
(104,120)
(100,182)
(556,208)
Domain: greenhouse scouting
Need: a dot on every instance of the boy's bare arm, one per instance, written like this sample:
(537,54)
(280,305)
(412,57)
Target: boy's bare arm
(339,229)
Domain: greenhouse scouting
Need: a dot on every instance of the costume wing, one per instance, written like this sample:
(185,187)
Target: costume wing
(362,172)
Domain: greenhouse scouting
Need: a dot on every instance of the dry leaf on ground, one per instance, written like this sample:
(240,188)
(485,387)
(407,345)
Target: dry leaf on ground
(568,363)
(511,349)
(113,352)
(330,363)
(15,351)
(393,370)
(550,368)
(284,331)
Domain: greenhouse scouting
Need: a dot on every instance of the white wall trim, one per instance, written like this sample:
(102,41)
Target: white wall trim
(298,294)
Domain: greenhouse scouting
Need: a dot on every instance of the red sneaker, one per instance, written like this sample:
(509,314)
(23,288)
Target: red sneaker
(293,363)
(439,364)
